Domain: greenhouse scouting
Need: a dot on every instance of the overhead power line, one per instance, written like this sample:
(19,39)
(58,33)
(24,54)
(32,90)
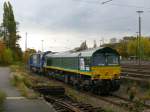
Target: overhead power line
(106,1)
(86,1)
(102,2)
(126,5)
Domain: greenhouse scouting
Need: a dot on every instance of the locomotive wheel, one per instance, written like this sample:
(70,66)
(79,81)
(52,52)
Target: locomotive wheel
(115,85)
(102,88)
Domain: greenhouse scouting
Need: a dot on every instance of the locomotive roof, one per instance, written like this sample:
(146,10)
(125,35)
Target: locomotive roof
(41,53)
(85,53)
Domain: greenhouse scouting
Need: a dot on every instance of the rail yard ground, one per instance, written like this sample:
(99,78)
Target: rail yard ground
(131,97)
(136,81)
(74,94)
(14,101)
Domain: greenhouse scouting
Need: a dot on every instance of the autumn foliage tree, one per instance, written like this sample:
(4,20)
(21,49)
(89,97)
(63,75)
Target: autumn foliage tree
(9,25)
(8,33)
(6,55)
(133,47)
(82,47)
(122,48)
(95,45)
(129,46)
(27,54)
(2,47)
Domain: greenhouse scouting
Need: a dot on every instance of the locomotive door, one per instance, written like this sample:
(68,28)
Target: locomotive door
(82,64)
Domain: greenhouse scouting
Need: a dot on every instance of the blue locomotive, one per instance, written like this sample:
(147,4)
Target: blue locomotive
(36,61)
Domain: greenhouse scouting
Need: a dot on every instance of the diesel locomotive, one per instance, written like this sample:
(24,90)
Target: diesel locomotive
(96,70)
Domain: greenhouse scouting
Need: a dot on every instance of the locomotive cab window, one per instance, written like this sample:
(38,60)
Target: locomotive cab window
(112,59)
(99,60)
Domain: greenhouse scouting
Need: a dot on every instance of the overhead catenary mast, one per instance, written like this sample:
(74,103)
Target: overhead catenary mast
(26,41)
(140,50)
(42,45)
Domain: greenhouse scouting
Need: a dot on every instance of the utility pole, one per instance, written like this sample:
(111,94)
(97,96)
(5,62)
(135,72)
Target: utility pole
(139,14)
(26,41)
(42,45)
(100,43)
(103,41)
(137,45)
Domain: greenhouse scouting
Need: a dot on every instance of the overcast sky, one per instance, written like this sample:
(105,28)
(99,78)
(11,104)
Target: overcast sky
(64,24)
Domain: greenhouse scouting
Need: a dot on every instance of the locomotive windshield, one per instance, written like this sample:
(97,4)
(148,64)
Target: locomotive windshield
(105,59)
(112,59)
(99,60)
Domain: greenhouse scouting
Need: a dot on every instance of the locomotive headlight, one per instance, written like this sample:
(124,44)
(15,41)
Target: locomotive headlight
(115,76)
(96,76)
(106,73)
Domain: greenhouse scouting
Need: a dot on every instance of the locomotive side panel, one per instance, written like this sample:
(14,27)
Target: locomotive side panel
(97,69)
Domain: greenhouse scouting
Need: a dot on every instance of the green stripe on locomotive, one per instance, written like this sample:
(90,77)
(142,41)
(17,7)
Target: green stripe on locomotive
(64,62)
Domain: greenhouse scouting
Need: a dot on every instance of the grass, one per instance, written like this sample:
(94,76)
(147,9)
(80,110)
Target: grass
(23,84)
(2,99)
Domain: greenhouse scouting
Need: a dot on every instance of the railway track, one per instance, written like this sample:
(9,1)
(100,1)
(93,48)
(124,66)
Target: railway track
(125,99)
(119,101)
(136,66)
(136,72)
(62,103)
(65,104)
(110,99)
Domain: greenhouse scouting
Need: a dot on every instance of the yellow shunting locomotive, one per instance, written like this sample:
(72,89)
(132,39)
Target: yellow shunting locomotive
(97,70)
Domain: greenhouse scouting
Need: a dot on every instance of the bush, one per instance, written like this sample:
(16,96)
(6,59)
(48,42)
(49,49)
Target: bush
(7,56)
(2,99)
(16,79)
(23,84)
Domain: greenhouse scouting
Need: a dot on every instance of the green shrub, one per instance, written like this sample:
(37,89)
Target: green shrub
(27,82)
(23,89)
(17,79)
(7,56)
(2,99)
(20,80)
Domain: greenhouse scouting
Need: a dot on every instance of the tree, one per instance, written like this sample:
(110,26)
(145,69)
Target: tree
(133,49)
(9,29)
(122,48)
(9,25)
(27,54)
(1,32)
(113,40)
(95,45)
(7,56)
(82,47)
(2,48)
